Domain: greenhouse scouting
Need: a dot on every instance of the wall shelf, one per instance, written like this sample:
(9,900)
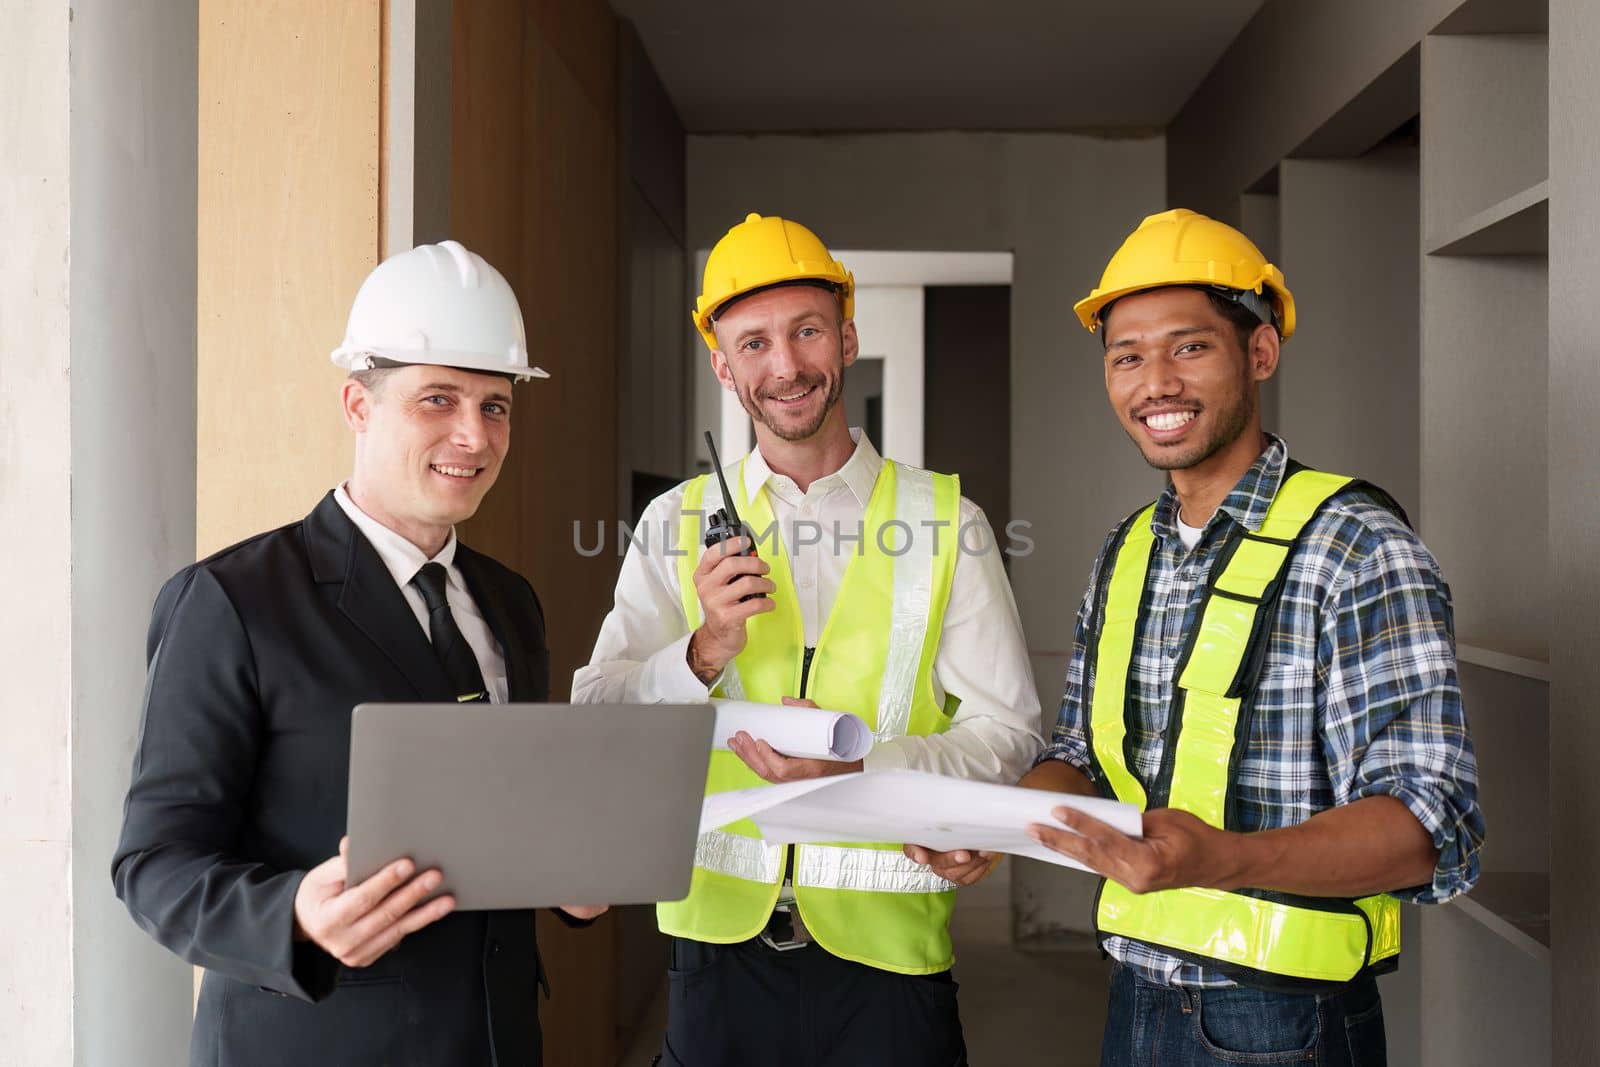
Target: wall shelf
(1496,16)
(1519,225)
(1514,906)
(1504,663)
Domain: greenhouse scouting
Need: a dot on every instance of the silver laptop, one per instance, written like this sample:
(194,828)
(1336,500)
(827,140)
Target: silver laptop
(531,805)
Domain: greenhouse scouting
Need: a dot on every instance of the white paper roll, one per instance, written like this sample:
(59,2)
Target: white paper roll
(810,733)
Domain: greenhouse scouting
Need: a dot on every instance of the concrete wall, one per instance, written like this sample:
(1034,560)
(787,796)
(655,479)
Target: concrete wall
(1062,204)
(1574,497)
(97,323)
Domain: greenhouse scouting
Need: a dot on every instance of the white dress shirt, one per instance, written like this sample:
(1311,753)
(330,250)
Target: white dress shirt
(982,659)
(403,560)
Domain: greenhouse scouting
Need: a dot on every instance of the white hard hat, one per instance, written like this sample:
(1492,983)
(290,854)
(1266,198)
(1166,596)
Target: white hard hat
(437,304)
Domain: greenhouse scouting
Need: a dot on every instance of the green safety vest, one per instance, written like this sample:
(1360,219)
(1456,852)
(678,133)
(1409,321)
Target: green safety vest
(1266,939)
(863,902)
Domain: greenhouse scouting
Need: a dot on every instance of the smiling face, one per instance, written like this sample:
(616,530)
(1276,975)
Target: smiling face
(429,444)
(1181,383)
(783,352)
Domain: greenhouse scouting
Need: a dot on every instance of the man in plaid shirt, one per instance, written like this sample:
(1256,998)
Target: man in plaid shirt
(1351,773)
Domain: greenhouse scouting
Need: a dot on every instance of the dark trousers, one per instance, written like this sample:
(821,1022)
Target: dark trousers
(747,1004)
(1177,1027)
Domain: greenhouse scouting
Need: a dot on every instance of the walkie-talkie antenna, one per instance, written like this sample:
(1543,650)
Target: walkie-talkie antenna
(727,497)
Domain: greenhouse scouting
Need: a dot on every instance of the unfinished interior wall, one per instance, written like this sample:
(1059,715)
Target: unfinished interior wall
(1061,204)
(1348,382)
(1280,85)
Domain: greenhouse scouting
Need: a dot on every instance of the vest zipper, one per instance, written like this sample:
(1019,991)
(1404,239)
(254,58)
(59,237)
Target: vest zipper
(805,671)
(805,675)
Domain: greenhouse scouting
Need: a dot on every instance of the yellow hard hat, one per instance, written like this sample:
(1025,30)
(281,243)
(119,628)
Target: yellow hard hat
(1182,247)
(762,252)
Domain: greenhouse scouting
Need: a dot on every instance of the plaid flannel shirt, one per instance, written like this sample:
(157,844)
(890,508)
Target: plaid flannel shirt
(1357,697)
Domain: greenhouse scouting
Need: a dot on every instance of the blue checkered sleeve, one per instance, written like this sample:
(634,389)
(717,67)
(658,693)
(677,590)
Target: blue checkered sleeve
(1390,715)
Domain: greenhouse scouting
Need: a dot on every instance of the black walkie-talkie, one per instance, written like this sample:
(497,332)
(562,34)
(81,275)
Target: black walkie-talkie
(724,523)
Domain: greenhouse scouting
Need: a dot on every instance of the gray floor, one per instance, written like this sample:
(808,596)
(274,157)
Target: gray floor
(1019,1009)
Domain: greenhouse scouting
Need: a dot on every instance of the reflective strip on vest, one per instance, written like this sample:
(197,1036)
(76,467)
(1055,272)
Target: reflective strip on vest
(1108,719)
(913,591)
(749,858)
(870,869)
(819,866)
(1268,937)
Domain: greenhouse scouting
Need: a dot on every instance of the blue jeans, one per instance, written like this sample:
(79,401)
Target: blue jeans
(1175,1027)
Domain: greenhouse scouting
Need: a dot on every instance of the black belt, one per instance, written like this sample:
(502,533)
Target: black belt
(785,930)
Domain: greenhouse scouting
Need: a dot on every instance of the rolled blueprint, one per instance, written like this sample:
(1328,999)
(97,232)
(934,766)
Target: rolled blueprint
(810,733)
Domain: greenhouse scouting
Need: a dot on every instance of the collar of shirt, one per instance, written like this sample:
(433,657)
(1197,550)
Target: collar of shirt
(1246,504)
(859,474)
(402,558)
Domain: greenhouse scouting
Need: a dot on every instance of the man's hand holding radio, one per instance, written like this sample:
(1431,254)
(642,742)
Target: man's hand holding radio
(732,587)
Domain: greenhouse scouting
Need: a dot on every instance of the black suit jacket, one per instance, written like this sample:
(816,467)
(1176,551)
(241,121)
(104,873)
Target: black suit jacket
(257,656)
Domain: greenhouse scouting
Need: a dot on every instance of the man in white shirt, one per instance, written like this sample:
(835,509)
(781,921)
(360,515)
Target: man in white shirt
(861,596)
(231,852)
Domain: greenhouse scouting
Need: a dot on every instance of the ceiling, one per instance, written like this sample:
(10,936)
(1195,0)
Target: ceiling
(770,65)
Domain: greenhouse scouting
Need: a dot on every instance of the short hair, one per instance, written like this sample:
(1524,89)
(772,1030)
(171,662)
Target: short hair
(813,283)
(1243,321)
(372,378)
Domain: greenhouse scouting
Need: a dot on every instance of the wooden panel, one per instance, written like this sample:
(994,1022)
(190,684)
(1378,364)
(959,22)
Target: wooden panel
(582,36)
(288,207)
(533,189)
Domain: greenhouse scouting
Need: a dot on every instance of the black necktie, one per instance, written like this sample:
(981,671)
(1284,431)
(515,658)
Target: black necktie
(449,644)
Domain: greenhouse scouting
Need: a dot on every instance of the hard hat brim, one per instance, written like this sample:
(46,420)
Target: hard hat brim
(366,357)
(706,311)
(1089,309)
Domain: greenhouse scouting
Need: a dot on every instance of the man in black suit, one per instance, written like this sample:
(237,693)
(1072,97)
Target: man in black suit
(231,852)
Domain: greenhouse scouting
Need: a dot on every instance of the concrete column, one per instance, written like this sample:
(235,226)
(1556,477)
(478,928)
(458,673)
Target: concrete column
(97,324)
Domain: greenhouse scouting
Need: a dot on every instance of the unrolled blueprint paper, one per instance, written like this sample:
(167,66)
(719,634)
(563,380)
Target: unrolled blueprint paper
(812,733)
(911,806)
